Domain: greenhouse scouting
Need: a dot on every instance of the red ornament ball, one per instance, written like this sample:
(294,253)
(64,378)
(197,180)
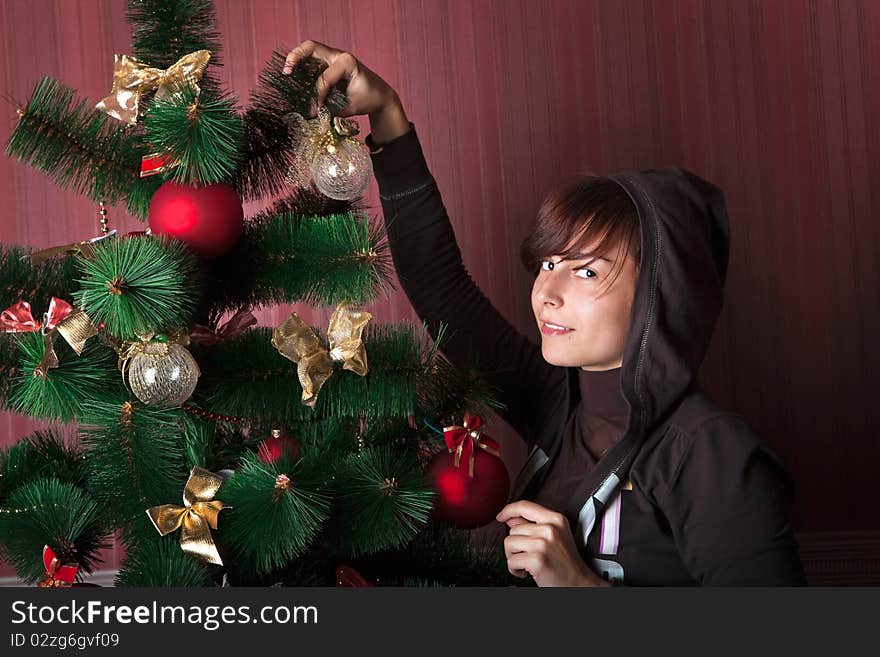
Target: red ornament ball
(207,218)
(279,445)
(464,501)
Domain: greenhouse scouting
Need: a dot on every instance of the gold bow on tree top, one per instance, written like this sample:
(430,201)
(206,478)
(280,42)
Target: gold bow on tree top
(295,340)
(198,513)
(133,79)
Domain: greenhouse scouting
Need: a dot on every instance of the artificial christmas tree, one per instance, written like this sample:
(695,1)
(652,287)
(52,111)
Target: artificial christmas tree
(155,399)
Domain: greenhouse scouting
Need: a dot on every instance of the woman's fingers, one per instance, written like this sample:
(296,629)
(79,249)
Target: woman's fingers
(308,48)
(516,544)
(343,66)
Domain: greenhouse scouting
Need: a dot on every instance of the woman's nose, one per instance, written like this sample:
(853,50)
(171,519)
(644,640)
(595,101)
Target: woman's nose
(549,293)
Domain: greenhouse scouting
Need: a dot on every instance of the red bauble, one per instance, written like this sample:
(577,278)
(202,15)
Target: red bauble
(464,501)
(208,218)
(277,446)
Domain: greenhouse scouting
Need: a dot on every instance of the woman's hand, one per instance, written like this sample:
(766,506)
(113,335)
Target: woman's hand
(541,544)
(367,92)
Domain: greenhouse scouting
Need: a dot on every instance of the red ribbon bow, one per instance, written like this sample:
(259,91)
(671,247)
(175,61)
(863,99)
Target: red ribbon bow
(18,318)
(235,325)
(56,574)
(463,440)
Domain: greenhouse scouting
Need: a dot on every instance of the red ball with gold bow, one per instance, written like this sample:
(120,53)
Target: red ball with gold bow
(469,478)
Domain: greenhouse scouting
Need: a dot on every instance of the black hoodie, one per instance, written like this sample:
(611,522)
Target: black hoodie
(688,495)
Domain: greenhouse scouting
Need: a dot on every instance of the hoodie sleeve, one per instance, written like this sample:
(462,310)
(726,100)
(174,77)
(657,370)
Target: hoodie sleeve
(729,503)
(430,270)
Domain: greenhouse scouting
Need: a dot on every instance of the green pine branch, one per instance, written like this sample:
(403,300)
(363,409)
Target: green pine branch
(276,510)
(247,377)
(65,391)
(161,563)
(384,500)
(285,257)
(79,147)
(50,512)
(165,30)
(21,280)
(135,459)
(49,453)
(139,285)
(202,132)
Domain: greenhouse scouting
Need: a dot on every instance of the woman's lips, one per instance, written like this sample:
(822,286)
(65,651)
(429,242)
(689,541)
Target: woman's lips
(553,329)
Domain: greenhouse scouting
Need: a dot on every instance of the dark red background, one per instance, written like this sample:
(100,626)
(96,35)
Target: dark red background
(774,100)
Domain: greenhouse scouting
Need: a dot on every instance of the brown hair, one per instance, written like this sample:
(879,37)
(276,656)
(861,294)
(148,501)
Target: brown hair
(587,209)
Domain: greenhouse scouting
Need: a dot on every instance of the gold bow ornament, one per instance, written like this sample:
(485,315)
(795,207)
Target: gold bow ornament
(133,79)
(73,324)
(296,340)
(195,518)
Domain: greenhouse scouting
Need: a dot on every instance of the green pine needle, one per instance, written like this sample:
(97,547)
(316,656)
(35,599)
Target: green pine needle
(139,285)
(384,500)
(202,132)
(48,453)
(67,389)
(135,457)
(289,258)
(36,284)
(271,524)
(246,376)
(165,30)
(80,148)
(161,563)
(49,512)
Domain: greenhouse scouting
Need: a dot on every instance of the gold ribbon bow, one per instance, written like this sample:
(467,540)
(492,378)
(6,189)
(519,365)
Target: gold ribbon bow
(133,79)
(295,340)
(198,513)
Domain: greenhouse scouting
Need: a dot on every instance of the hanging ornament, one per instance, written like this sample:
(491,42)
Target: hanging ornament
(295,340)
(279,445)
(346,576)
(208,219)
(159,369)
(132,79)
(470,479)
(198,513)
(56,575)
(327,154)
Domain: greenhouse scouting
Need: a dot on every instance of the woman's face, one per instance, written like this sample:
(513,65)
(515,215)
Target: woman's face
(584,321)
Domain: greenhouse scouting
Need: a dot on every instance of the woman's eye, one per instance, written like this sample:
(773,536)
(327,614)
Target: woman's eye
(587,273)
(546,265)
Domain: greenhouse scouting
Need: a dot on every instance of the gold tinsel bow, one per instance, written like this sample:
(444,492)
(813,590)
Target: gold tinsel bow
(133,79)
(295,340)
(196,517)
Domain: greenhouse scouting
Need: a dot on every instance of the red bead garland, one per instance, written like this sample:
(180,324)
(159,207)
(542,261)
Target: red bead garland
(217,417)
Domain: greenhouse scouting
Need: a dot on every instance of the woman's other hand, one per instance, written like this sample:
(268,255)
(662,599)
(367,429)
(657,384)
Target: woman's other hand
(541,544)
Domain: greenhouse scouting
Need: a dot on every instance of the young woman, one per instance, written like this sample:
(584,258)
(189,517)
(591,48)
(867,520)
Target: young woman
(634,476)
